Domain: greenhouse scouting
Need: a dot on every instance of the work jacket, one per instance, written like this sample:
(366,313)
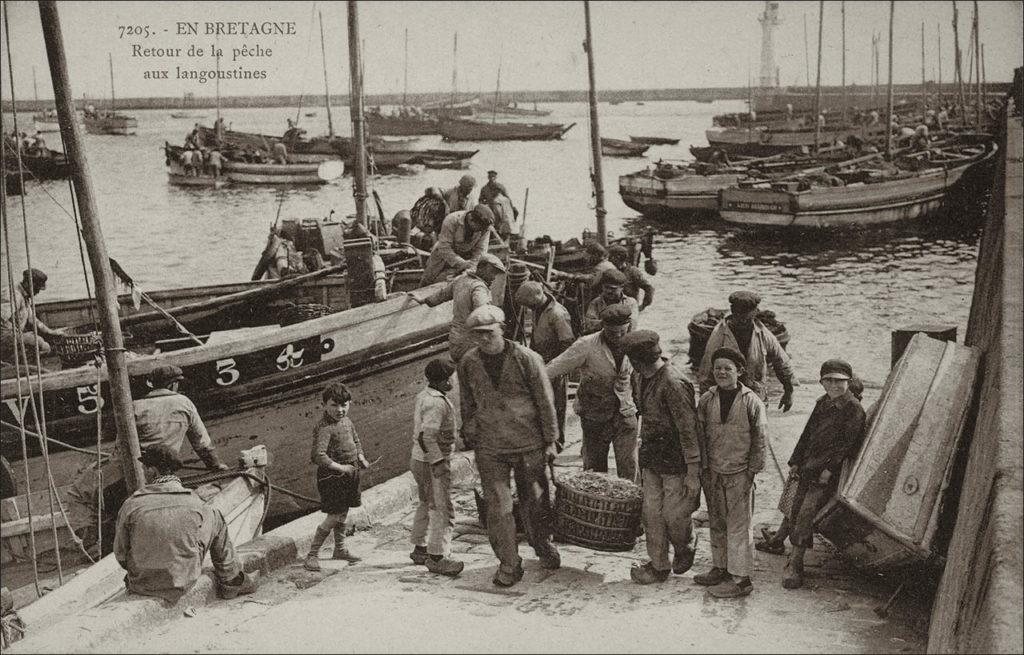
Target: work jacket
(833,433)
(453,249)
(163,533)
(552,330)
(433,426)
(335,442)
(764,350)
(605,390)
(467,292)
(668,430)
(15,318)
(457,202)
(592,317)
(166,417)
(517,414)
(737,444)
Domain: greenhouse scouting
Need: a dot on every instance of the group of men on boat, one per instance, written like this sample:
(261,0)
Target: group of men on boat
(31,146)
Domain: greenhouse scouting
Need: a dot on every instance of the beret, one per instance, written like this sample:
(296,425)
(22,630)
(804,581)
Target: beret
(642,344)
(38,277)
(617,314)
(163,375)
(467,180)
(162,457)
(439,370)
(729,353)
(836,368)
(614,277)
(493,260)
(485,318)
(528,291)
(483,213)
(744,298)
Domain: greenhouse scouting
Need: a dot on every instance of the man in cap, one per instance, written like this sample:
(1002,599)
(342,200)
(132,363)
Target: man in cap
(612,283)
(463,238)
(669,458)
(460,196)
(743,332)
(604,400)
(164,532)
(468,291)
(731,434)
(493,189)
(428,212)
(552,335)
(597,259)
(508,417)
(18,319)
(833,434)
(636,281)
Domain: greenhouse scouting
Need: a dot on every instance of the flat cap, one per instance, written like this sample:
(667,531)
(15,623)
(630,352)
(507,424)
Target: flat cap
(529,291)
(492,172)
(747,299)
(161,457)
(617,314)
(439,370)
(467,181)
(483,213)
(492,260)
(613,277)
(488,317)
(642,345)
(836,369)
(37,277)
(164,375)
(595,249)
(617,252)
(729,353)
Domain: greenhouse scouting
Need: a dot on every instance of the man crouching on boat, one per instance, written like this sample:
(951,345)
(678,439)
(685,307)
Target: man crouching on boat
(16,320)
(164,531)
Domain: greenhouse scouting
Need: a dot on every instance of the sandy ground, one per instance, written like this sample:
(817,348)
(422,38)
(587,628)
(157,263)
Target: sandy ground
(385,603)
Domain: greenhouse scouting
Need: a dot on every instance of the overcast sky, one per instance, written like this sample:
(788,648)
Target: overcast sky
(637,44)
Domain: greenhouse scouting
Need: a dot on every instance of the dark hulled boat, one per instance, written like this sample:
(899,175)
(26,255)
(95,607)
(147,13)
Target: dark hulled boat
(466,130)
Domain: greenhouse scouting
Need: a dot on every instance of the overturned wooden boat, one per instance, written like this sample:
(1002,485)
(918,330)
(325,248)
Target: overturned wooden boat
(654,140)
(467,130)
(887,511)
(620,148)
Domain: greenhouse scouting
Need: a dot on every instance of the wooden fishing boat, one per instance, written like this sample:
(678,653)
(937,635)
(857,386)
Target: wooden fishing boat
(760,142)
(46,121)
(383,125)
(679,196)
(298,173)
(620,148)
(53,165)
(110,122)
(654,140)
(447,110)
(467,130)
(241,496)
(886,513)
(187,114)
(867,197)
(510,109)
(446,164)
(703,323)
(197,181)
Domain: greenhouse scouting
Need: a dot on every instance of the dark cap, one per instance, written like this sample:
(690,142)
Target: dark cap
(439,370)
(595,249)
(642,345)
(467,181)
(618,253)
(729,353)
(484,214)
(37,277)
(617,314)
(162,458)
(492,173)
(744,300)
(836,368)
(162,376)
(613,277)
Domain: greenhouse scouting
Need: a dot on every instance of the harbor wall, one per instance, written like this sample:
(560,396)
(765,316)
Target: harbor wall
(978,605)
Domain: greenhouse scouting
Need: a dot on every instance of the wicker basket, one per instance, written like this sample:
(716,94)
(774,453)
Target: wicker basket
(75,349)
(596,522)
(297,313)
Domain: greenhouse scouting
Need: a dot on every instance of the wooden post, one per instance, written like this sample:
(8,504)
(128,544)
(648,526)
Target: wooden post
(889,103)
(327,90)
(106,294)
(356,92)
(817,91)
(595,133)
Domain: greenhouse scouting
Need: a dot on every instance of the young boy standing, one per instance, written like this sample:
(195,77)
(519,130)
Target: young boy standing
(338,456)
(731,426)
(432,442)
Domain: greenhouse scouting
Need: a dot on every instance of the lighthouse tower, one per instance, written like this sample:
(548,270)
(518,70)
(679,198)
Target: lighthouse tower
(769,19)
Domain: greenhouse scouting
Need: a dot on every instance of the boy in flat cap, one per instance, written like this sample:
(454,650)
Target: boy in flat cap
(742,332)
(669,458)
(604,400)
(731,431)
(612,283)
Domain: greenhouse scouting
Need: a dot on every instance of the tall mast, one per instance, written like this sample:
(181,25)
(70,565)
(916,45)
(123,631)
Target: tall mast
(984,83)
(405,86)
(977,64)
(110,59)
(218,130)
(938,33)
(924,84)
(356,91)
(455,68)
(327,90)
(595,133)
(497,92)
(35,89)
(842,9)
(958,66)
(888,127)
(817,90)
(106,295)
(807,56)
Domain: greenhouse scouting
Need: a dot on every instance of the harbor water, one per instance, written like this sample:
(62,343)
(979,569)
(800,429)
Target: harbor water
(838,294)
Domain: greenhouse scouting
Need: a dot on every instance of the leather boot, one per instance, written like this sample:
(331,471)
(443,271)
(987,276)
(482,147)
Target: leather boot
(340,551)
(312,561)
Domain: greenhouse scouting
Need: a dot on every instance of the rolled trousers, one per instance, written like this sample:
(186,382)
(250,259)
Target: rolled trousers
(532,487)
(435,515)
(810,497)
(619,432)
(668,506)
(730,510)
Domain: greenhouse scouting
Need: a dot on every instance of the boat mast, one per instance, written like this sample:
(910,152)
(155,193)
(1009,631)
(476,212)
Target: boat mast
(595,133)
(957,65)
(984,84)
(405,86)
(842,10)
(106,295)
(977,64)
(35,89)
(817,90)
(356,91)
(807,56)
(217,131)
(938,33)
(327,90)
(924,84)
(110,59)
(888,127)
(497,92)
(455,69)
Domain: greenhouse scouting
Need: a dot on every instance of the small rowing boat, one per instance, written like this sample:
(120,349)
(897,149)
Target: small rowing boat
(654,140)
(619,148)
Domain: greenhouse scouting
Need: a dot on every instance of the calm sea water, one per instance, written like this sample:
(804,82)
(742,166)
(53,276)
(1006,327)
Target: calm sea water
(839,295)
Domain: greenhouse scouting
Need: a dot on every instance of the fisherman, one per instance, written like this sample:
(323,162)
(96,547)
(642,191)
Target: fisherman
(874,117)
(669,458)
(508,418)
(921,140)
(463,238)
(280,153)
(636,281)
(941,119)
(459,197)
(552,335)
(187,160)
(731,432)
(612,283)
(490,191)
(428,212)
(468,291)
(604,400)
(215,162)
(164,532)
(597,259)
(433,439)
(17,321)
(742,331)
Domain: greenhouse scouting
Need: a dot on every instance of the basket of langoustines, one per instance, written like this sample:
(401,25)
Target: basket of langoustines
(597,511)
